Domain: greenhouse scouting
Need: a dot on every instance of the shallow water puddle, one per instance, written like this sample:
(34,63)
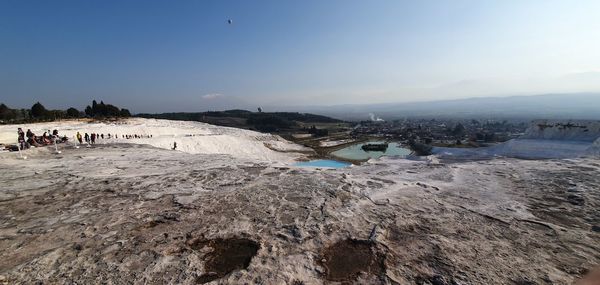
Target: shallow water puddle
(355,152)
(324,163)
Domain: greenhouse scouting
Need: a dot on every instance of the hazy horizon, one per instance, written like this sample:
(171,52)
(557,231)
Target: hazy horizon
(157,56)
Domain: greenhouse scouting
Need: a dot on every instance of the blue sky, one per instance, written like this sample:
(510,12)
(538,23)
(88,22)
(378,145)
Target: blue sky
(155,56)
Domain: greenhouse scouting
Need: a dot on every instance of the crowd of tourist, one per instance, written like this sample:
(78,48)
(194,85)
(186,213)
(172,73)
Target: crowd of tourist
(28,139)
(91,138)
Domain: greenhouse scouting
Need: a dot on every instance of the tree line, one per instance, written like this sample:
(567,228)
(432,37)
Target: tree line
(38,112)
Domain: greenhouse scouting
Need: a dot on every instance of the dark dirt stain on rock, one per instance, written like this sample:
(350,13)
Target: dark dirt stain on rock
(346,259)
(226,256)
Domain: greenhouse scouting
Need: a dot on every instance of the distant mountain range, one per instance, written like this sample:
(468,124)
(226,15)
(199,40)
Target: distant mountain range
(549,106)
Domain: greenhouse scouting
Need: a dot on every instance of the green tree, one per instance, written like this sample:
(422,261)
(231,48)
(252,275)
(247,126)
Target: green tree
(102,109)
(56,114)
(6,113)
(124,113)
(94,108)
(88,111)
(110,111)
(26,114)
(72,113)
(38,111)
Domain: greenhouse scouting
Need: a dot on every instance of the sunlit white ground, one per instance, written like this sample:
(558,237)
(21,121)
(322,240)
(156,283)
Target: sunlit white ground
(191,137)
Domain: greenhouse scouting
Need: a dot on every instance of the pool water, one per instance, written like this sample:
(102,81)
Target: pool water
(324,163)
(355,152)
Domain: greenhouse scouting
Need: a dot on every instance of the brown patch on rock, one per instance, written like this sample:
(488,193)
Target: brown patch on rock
(226,256)
(345,260)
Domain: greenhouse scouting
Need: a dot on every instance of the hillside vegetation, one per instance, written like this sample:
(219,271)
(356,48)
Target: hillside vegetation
(261,121)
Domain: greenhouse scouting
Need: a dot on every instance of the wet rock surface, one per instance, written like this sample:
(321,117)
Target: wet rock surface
(347,259)
(126,214)
(226,255)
